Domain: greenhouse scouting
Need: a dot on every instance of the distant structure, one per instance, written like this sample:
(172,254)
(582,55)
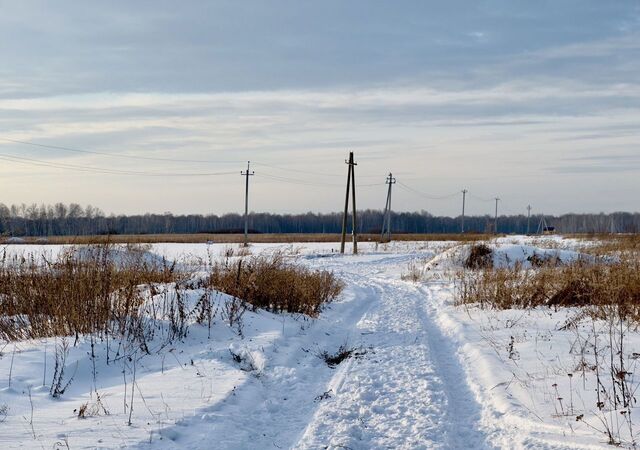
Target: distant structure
(464,198)
(351,185)
(385,235)
(246,174)
(544,228)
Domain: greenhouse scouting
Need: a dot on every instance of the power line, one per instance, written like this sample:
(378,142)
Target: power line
(93,169)
(422,194)
(117,155)
(160,159)
(294,180)
(481,199)
(108,171)
(308,172)
(308,183)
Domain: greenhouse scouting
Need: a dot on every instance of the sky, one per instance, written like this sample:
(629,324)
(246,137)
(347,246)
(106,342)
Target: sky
(156,106)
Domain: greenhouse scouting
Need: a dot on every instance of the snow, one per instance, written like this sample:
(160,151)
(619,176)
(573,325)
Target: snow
(505,253)
(15,240)
(426,373)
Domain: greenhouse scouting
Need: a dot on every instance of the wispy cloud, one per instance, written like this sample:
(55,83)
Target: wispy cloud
(493,97)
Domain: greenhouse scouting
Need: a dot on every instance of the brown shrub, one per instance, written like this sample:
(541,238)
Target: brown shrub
(597,284)
(480,257)
(74,295)
(269,282)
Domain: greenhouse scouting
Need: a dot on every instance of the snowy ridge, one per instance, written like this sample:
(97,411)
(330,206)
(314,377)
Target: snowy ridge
(504,254)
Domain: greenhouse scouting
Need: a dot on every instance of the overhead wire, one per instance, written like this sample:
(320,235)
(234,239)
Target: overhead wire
(101,170)
(481,199)
(119,155)
(115,171)
(306,182)
(292,180)
(308,172)
(260,174)
(422,194)
(270,176)
(162,159)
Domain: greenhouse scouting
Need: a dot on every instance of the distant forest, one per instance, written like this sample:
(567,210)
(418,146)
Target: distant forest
(73,219)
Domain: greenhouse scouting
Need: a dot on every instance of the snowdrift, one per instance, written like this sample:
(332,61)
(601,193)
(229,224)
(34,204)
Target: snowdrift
(502,256)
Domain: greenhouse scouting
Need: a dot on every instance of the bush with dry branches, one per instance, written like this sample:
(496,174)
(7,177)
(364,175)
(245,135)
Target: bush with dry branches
(270,283)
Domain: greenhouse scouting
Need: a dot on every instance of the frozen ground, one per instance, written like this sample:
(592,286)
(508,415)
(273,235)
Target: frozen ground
(427,374)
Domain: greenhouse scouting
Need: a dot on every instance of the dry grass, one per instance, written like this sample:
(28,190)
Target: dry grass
(611,244)
(238,238)
(596,284)
(100,290)
(270,283)
(74,295)
(414,271)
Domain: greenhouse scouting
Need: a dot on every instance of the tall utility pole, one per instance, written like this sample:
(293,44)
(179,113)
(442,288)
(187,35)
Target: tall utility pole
(246,174)
(495,220)
(386,217)
(542,226)
(464,197)
(612,226)
(351,184)
(528,217)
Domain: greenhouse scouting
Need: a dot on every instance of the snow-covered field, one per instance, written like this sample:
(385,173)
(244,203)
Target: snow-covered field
(426,374)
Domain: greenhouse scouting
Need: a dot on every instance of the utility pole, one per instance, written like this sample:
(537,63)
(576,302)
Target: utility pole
(612,225)
(354,223)
(542,226)
(464,196)
(246,174)
(528,218)
(386,218)
(495,220)
(351,184)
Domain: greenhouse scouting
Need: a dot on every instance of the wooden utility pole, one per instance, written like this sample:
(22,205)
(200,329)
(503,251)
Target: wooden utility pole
(351,184)
(354,224)
(464,197)
(386,218)
(246,174)
(542,226)
(528,217)
(495,221)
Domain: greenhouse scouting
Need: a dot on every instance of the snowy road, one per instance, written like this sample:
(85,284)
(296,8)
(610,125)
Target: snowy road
(410,391)
(407,391)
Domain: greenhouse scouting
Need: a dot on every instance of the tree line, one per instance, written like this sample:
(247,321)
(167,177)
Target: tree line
(73,219)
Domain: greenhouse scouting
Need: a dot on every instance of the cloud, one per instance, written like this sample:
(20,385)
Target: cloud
(491,95)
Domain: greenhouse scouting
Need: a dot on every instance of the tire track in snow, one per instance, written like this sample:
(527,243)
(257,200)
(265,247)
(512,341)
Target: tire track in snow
(398,395)
(272,410)
(410,392)
(463,412)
